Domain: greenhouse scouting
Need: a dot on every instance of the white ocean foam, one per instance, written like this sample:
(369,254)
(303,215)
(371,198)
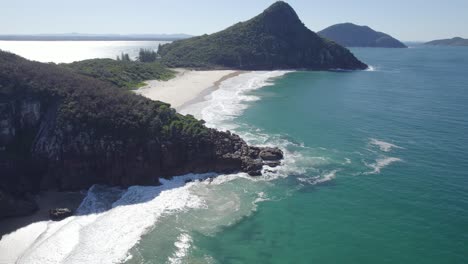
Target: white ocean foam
(107,236)
(380,164)
(370,68)
(13,245)
(229,101)
(319,179)
(183,244)
(262,197)
(384,146)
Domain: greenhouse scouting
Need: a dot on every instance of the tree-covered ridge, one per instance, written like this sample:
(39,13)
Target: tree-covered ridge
(85,100)
(275,39)
(123,73)
(351,35)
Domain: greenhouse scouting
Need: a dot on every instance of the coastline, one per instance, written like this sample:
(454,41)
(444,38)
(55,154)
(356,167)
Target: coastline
(33,239)
(188,87)
(46,201)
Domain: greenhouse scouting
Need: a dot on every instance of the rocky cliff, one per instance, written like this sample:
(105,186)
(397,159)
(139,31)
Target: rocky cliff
(61,130)
(275,39)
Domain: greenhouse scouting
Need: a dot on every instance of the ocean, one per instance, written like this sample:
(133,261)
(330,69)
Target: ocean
(70,51)
(375,171)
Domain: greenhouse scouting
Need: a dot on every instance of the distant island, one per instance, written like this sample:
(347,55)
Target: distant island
(457,41)
(351,35)
(275,39)
(95,37)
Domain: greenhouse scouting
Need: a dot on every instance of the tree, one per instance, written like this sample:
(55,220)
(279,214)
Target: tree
(124,57)
(147,55)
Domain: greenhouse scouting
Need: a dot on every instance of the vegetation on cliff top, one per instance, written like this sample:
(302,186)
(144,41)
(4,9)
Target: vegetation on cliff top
(275,39)
(351,35)
(122,73)
(85,100)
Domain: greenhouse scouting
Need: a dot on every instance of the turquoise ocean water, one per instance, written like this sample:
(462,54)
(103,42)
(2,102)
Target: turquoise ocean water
(384,159)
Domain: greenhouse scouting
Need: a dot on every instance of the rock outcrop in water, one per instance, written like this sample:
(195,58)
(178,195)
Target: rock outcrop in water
(351,35)
(61,130)
(275,39)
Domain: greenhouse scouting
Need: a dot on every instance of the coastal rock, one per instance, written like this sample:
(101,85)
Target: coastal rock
(58,214)
(271,154)
(273,164)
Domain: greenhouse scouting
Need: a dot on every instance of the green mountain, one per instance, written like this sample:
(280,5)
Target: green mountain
(351,35)
(66,131)
(275,39)
(457,41)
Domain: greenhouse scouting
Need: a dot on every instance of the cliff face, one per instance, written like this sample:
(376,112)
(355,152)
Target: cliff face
(351,35)
(275,39)
(60,130)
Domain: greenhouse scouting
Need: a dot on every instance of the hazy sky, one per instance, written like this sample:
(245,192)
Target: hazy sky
(404,19)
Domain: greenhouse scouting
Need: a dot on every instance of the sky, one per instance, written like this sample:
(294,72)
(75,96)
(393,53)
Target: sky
(407,20)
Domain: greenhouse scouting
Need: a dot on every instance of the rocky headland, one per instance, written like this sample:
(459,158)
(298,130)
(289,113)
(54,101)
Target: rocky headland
(60,130)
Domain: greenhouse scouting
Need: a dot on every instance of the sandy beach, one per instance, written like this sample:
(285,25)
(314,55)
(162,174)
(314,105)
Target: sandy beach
(46,201)
(187,86)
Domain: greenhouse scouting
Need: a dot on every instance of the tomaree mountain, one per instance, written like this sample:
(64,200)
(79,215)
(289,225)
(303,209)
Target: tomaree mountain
(275,39)
(351,35)
(456,41)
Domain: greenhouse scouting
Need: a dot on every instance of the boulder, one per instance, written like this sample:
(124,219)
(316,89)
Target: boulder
(273,164)
(271,154)
(58,214)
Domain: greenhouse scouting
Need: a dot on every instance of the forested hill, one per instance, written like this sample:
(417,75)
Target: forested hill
(275,39)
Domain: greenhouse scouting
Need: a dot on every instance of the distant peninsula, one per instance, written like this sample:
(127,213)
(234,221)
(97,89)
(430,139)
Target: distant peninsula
(457,41)
(275,39)
(351,35)
(95,37)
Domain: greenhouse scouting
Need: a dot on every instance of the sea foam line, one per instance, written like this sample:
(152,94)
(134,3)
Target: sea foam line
(106,235)
(230,100)
(380,164)
(384,146)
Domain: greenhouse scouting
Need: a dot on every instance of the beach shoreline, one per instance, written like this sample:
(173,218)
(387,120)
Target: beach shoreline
(187,88)
(46,201)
